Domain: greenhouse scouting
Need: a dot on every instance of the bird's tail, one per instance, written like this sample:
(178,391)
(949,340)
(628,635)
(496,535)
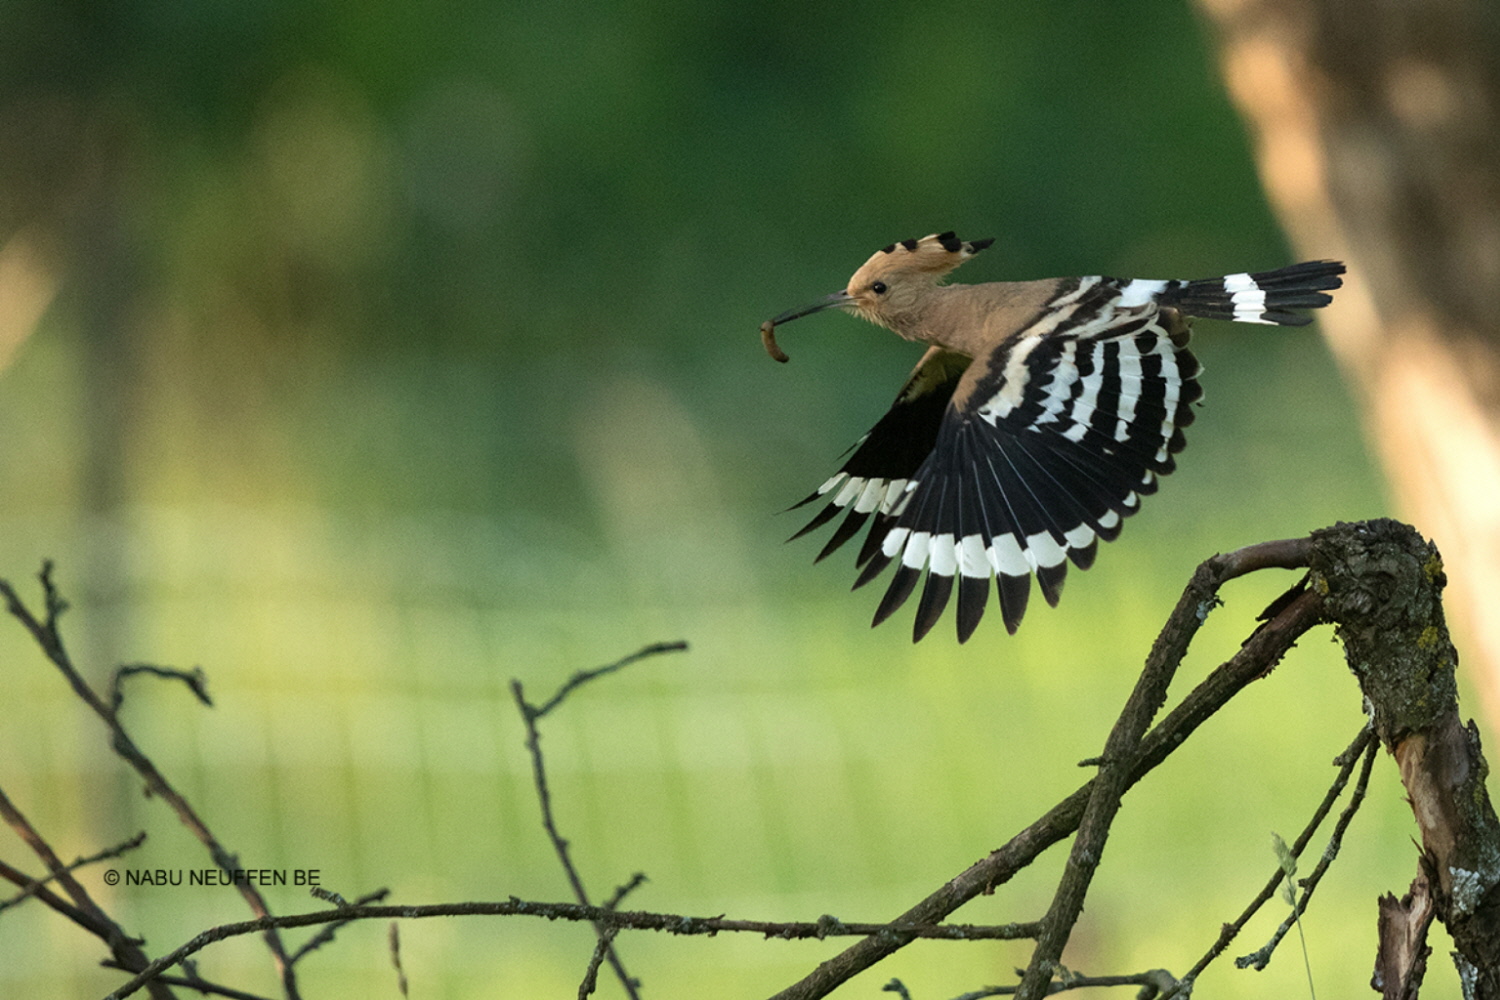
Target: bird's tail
(1265,297)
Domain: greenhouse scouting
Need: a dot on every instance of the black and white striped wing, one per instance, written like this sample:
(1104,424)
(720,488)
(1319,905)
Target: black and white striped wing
(1047,446)
(1040,451)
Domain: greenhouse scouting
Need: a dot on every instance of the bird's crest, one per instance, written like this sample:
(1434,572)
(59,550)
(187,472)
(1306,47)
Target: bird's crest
(933,255)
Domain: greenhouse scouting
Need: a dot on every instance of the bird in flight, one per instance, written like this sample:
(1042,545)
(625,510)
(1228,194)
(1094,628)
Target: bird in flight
(1040,414)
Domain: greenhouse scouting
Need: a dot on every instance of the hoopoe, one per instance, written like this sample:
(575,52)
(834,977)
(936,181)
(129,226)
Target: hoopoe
(1022,463)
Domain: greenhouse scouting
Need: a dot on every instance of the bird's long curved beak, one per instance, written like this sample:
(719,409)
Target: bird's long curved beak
(767,329)
(834,301)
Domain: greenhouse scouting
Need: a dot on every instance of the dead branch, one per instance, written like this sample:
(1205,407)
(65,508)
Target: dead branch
(125,949)
(30,887)
(1362,748)
(530,715)
(1382,585)
(1261,957)
(670,923)
(1256,657)
(47,635)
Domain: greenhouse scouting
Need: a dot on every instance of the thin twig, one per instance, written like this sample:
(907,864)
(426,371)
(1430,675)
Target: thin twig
(195,679)
(1152,983)
(46,633)
(327,896)
(395,942)
(584,676)
(30,889)
(591,971)
(621,891)
(530,714)
(197,984)
(325,935)
(1363,747)
(1260,958)
(670,923)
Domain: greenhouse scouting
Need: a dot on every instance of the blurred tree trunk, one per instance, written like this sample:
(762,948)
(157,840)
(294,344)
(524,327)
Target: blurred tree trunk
(1377,131)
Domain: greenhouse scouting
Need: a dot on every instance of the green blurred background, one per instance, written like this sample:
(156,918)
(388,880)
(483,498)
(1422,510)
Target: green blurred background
(398,350)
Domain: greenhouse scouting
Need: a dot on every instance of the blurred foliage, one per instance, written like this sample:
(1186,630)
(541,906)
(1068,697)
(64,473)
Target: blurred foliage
(401,349)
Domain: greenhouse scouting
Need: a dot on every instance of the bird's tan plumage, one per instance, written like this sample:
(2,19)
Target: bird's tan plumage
(1039,414)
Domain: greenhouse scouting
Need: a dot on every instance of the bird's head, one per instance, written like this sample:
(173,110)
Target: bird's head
(890,286)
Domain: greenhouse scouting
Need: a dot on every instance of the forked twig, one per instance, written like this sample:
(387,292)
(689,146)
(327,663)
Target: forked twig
(529,715)
(31,887)
(1262,956)
(46,633)
(1363,748)
(326,935)
(126,950)
(1256,657)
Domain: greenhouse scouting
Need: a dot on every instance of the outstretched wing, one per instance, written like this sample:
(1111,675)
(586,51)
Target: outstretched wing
(1043,450)
(1039,451)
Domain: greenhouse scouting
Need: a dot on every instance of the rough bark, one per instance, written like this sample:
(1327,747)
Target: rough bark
(1382,585)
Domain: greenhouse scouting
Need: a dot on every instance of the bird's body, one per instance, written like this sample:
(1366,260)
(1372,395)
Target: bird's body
(1040,413)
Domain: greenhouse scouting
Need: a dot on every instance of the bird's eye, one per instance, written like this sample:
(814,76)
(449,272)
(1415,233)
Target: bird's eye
(878,288)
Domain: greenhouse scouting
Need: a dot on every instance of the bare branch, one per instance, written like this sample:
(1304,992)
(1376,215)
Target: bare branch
(1256,657)
(1287,553)
(670,923)
(584,676)
(198,984)
(529,715)
(1152,983)
(47,635)
(125,949)
(30,887)
(1363,747)
(324,936)
(622,891)
(54,902)
(195,679)
(591,972)
(1120,753)
(395,941)
(1261,958)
